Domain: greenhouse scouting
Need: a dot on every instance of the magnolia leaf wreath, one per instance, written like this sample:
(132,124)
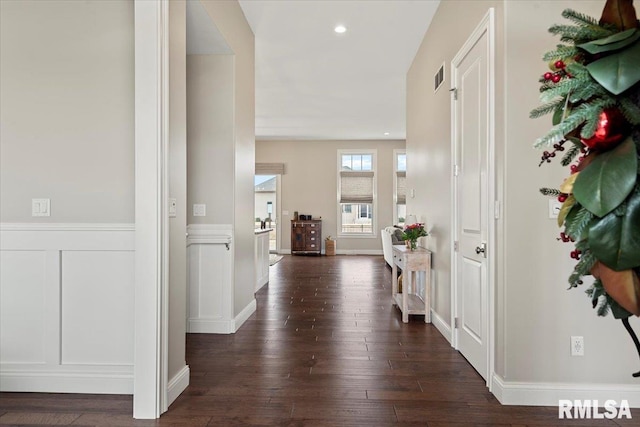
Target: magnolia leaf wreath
(593,92)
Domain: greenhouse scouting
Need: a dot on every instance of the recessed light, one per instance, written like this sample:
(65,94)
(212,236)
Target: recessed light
(386,134)
(340,29)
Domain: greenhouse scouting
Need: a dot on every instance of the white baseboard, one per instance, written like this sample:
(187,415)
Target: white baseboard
(67,382)
(178,384)
(359,252)
(548,394)
(210,326)
(221,326)
(441,325)
(284,252)
(242,317)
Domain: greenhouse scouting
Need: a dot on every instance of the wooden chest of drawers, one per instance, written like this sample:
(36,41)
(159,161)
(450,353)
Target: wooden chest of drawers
(306,237)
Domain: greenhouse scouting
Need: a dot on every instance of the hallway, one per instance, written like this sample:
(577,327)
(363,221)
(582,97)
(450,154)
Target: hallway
(325,348)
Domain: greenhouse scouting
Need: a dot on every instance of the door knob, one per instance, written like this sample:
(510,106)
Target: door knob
(482,249)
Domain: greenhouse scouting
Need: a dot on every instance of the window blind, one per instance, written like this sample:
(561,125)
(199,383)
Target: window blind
(269,168)
(401,187)
(356,187)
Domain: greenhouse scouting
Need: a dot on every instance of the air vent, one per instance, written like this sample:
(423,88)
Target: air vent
(438,78)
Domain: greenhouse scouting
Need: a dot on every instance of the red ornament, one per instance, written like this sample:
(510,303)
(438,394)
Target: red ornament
(548,75)
(609,131)
(559,64)
(556,78)
(562,197)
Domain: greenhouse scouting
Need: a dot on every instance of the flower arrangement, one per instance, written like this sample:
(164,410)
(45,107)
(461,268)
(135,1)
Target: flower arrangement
(413,232)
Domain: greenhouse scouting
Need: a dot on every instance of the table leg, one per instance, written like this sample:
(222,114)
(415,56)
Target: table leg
(408,281)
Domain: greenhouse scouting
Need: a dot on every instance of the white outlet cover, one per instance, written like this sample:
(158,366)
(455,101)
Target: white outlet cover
(577,346)
(40,207)
(554,208)
(199,210)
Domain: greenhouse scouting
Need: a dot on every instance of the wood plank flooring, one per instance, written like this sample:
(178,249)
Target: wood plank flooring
(325,348)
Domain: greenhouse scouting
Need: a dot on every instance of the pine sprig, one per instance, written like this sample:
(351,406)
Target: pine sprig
(560,90)
(630,111)
(562,51)
(552,192)
(571,154)
(577,117)
(547,108)
(582,268)
(576,228)
(579,18)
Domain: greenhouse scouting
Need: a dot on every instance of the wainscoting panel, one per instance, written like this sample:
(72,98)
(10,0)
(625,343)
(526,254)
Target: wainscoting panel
(97,307)
(66,308)
(210,289)
(22,306)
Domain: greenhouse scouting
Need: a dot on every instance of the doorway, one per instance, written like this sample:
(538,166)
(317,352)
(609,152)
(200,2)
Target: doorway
(267,207)
(473,76)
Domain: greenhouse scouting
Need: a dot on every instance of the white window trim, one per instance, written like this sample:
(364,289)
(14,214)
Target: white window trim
(374,208)
(395,182)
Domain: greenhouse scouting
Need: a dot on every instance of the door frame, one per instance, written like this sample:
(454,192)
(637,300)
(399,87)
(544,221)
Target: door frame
(150,370)
(486,25)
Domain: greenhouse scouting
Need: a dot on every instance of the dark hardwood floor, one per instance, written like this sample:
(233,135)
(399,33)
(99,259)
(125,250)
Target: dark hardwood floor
(325,348)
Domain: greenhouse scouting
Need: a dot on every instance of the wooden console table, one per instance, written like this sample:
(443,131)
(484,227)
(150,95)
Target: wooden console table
(408,300)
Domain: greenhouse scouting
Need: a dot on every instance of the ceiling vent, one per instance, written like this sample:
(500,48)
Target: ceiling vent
(438,78)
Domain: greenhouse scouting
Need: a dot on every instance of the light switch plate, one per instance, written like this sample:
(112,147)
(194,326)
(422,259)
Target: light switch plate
(554,208)
(199,210)
(173,207)
(40,207)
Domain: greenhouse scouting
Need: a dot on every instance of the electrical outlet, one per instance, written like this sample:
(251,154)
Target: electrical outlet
(577,346)
(554,208)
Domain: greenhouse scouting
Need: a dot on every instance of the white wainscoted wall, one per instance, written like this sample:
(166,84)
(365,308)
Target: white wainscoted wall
(67,308)
(211,289)
(261,257)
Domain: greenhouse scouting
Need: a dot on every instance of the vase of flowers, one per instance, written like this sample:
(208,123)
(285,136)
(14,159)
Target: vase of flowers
(412,233)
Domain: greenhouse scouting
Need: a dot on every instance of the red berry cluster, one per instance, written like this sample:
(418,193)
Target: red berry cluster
(565,238)
(562,197)
(560,66)
(575,254)
(548,155)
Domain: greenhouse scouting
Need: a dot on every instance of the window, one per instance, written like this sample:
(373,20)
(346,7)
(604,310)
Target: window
(356,192)
(399,186)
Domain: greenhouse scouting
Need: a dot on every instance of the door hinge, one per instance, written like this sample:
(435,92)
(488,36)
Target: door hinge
(497,211)
(455,246)
(456,323)
(455,93)
(456,170)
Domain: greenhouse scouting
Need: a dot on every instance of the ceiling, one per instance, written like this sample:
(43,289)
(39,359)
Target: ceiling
(312,83)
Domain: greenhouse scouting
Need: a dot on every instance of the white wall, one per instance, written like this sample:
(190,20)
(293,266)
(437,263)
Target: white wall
(536,314)
(541,314)
(309,185)
(66,110)
(67,133)
(429,136)
(210,134)
(229,19)
(178,371)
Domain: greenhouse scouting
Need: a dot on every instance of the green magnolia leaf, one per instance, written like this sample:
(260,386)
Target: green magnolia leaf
(615,239)
(613,42)
(557,116)
(619,71)
(608,179)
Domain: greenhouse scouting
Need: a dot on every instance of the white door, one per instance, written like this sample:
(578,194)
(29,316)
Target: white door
(472,133)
